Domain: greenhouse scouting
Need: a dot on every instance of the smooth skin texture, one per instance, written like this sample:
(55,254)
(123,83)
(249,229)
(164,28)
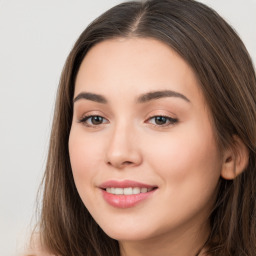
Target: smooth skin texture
(128,139)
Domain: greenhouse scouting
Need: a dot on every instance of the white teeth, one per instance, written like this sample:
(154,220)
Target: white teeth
(128,191)
(119,191)
(144,190)
(136,191)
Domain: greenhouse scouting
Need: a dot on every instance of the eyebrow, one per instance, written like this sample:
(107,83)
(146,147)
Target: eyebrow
(141,99)
(160,94)
(90,96)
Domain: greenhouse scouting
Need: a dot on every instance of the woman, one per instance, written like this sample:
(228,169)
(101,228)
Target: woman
(154,138)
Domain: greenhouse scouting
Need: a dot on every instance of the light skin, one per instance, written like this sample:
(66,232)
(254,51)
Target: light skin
(128,84)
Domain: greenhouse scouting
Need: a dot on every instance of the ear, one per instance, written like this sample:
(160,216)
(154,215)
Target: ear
(235,159)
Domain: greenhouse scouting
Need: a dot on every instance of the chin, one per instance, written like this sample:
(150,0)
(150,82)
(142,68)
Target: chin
(128,236)
(129,232)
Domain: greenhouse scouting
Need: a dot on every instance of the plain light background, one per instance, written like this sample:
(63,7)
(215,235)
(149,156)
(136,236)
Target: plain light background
(35,39)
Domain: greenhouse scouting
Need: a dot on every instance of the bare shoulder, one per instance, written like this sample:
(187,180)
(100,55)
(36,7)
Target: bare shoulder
(38,253)
(35,248)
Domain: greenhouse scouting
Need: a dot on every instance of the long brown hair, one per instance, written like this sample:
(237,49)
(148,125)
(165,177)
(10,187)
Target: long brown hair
(227,78)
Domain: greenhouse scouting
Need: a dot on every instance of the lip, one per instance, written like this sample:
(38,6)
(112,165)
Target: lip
(125,201)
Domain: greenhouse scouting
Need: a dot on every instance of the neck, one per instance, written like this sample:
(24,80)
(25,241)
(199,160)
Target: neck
(188,242)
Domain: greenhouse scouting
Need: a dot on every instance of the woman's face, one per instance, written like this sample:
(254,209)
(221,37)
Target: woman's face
(142,146)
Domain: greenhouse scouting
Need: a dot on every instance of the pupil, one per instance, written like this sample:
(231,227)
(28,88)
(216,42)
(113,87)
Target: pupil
(97,120)
(160,120)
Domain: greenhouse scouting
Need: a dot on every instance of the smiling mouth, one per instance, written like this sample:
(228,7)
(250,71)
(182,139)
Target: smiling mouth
(126,197)
(128,191)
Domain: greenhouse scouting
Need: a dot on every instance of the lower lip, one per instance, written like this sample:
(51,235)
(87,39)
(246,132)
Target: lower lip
(126,201)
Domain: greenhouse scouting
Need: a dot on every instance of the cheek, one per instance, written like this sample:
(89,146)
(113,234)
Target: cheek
(187,159)
(84,157)
(85,154)
(189,167)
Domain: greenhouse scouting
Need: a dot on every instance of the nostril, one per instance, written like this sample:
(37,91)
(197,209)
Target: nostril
(122,164)
(127,163)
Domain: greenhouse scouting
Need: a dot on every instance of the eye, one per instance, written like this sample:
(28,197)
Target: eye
(93,120)
(162,120)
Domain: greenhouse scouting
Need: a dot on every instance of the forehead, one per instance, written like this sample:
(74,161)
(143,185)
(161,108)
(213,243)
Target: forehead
(137,64)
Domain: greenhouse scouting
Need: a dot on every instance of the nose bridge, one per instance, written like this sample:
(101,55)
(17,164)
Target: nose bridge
(122,149)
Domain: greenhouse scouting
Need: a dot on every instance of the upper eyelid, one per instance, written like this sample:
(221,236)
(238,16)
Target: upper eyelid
(162,109)
(161,112)
(81,115)
(163,115)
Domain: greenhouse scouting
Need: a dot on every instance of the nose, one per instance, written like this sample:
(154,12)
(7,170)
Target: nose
(123,149)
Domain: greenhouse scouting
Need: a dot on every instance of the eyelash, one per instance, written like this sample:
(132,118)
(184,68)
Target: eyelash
(86,118)
(171,121)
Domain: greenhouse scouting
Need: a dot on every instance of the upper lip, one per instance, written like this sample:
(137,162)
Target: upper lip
(124,184)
